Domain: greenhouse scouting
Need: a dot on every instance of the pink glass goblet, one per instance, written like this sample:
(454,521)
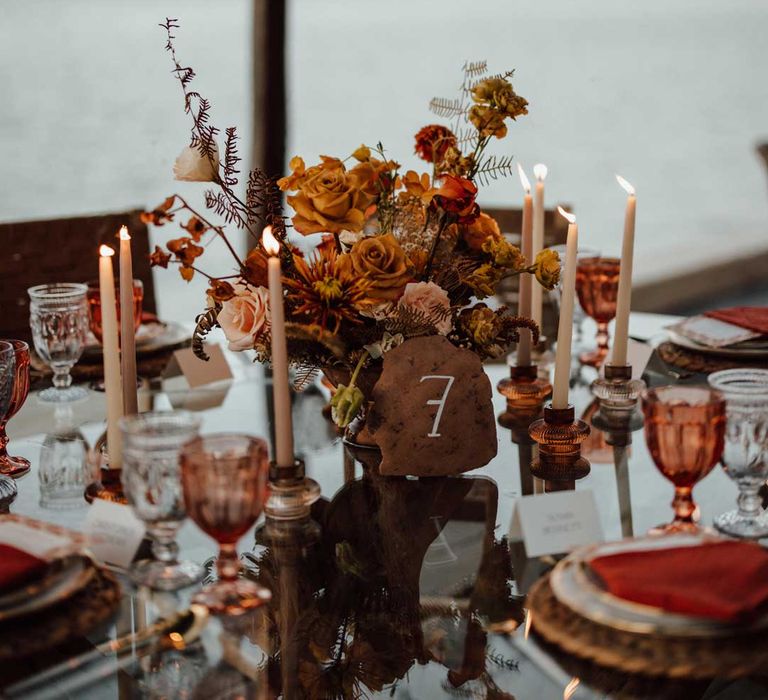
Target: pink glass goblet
(685,434)
(15,466)
(224,478)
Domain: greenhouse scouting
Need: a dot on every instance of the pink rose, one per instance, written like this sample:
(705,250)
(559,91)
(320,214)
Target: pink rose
(432,300)
(245,316)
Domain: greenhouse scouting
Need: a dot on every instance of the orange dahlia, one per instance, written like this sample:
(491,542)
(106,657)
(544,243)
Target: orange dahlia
(432,141)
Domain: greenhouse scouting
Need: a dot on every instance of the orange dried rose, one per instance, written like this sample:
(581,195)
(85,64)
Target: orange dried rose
(383,263)
(479,231)
(329,200)
(457,196)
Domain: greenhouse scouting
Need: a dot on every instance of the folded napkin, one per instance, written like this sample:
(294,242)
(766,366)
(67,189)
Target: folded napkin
(755,318)
(725,581)
(18,567)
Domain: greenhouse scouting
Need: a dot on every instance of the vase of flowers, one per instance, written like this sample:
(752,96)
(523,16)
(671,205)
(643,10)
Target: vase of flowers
(400,253)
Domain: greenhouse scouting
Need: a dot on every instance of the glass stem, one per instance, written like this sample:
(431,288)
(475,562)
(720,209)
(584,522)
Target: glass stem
(61,377)
(3,441)
(164,547)
(683,504)
(227,564)
(750,504)
(602,337)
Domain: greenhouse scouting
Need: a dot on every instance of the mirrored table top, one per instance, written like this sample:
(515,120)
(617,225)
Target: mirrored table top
(398,587)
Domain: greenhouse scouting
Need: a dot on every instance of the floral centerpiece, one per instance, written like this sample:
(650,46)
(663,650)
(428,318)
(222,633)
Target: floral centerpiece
(401,253)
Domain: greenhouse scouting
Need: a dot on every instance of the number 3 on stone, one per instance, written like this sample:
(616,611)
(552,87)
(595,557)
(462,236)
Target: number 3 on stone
(438,402)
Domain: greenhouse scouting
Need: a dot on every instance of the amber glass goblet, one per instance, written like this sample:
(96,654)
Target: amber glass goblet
(685,433)
(224,478)
(597,284)
(94,306)
(15,466)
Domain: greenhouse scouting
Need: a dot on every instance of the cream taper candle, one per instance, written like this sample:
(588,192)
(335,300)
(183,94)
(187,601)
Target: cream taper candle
(111,351)
(280,385)
(524,289)
(565,329)
(540,172)
(624,299)
(127,327)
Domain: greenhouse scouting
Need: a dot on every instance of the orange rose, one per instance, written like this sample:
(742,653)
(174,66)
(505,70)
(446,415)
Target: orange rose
(457,196)
(479,231)
(329,200)
(381,261)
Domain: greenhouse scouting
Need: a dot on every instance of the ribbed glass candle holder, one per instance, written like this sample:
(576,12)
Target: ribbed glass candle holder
(559,436)
(618,394)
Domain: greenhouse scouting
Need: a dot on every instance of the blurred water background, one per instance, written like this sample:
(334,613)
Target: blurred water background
(672,94)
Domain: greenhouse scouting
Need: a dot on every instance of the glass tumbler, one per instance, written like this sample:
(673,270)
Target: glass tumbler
(152,484)
(15,466)
(58,316)
(685,432)
(745,457)
(225,488)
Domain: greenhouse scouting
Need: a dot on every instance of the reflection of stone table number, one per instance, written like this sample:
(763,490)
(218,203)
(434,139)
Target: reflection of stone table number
(432,412)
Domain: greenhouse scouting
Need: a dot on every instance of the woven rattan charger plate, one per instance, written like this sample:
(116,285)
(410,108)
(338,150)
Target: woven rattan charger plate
(672,657)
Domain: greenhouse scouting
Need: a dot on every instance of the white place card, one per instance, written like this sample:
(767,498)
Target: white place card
(638,356)
(38,542)
(199,373)
(114,533)
(555,523)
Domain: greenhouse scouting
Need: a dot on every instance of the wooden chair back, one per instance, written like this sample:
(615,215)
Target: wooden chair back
(62,250)
(511,222)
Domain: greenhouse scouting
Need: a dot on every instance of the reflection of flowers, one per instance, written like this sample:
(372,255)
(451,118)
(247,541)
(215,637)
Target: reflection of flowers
(548,268)
(432,300)
(382,262)
(244,317)
(192,166)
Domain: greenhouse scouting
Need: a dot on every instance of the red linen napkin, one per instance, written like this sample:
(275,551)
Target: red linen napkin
(753,318)
(724,581)
(17,567)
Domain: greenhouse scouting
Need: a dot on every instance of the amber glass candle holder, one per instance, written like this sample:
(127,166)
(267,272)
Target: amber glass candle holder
(291,493)
(107,483)
(618,395)
(597,284)
(559,436)
(94,306)
(526,393)
(685,433)
(543,357)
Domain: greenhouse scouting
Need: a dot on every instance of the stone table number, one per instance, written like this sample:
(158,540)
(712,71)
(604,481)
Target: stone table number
(432,411)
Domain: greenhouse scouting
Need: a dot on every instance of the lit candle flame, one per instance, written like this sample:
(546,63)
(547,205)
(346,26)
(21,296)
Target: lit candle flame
(270,243)
(570,689)
(105,251)
(528,621)
(124,235)
(540,171)
(571,218)
(627,187)
(523,179)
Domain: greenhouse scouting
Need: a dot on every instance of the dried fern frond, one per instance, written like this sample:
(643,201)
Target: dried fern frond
(305,374)
(496,76)
(446,108)
(474,69)
(205,323)
(494,167)
(410,322)
(231,157)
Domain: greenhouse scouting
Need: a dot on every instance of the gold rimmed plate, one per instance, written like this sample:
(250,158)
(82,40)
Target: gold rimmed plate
(63,578)
(576,586)
(749,348)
